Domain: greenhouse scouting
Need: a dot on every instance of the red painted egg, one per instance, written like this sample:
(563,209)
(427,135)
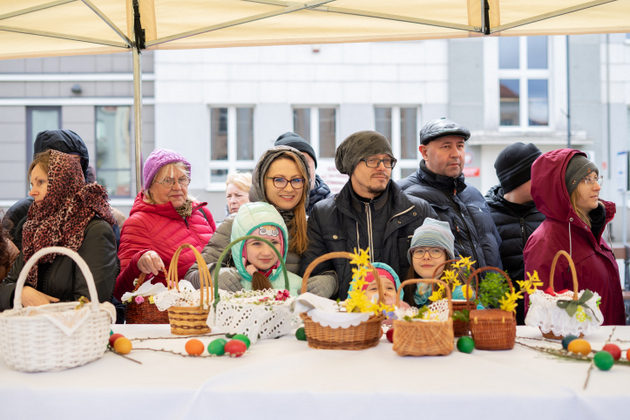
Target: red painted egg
(235,348)
(390,335)
(613,349)
(113,338)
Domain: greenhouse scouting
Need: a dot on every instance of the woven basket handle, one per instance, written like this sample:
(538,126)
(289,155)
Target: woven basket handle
(204,274)
(475,274)
(339,254)
(573,272)
(143,277)
(85,270)
(217,268)
(432,282)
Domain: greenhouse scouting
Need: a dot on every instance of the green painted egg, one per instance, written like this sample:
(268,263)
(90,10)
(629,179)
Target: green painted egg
(300,334)
(566,340)
(243,338)
(465,344)
(217,347)
(603,360)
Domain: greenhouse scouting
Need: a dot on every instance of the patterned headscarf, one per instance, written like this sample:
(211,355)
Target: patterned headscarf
(61,217)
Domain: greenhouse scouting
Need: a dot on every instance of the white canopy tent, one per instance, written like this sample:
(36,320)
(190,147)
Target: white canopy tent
(39,28)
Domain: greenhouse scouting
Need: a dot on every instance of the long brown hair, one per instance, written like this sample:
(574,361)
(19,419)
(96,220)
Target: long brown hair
(298,241)
(581,213)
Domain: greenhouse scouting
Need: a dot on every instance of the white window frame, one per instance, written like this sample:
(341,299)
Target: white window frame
(314,132)
(231,164)
(396,137)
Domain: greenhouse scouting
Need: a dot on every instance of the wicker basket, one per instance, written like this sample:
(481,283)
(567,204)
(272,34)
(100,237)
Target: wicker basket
(560,253)
(365,335)
(460,328)
(31,342)
(144,312)
(424,338)
(190,320)
(492,329)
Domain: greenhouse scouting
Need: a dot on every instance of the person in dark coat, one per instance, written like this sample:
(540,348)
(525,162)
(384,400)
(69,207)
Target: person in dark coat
(66,141)
(565,187)
(319,189)
(70,213)
(513,209)
(440,181)
(370,211)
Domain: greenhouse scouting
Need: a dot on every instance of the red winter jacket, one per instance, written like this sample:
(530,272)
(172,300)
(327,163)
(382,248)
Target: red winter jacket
(562,229)
(160,228)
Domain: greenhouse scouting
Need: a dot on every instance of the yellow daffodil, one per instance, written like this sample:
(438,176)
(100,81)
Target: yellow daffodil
(508,302)
(531,284)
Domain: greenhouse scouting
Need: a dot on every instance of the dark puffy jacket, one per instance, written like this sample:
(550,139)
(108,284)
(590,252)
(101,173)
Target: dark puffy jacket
(515,222)
(62,279)
(14,219)
(317,194)
(464,208)
(345,222)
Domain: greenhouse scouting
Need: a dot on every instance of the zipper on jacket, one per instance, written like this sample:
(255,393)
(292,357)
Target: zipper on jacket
(523,236)
(401,213)
(368,217)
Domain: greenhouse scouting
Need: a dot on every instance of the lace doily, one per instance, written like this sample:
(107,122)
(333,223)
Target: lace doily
(257,314)
(436,311)
(145,289)
(186,296)
(545,314)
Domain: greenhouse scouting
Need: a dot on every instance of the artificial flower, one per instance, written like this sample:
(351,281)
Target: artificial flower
(139,299)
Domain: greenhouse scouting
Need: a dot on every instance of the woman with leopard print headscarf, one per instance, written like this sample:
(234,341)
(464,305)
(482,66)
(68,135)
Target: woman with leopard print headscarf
(70,213)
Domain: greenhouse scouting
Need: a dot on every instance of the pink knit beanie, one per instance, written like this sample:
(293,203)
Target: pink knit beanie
(157,159)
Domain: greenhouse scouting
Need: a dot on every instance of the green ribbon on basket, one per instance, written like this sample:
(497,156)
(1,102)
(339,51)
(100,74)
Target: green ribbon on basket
(571,306)
(227,249)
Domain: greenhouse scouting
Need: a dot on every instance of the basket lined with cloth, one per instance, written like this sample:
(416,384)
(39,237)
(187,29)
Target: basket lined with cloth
(139,305)
(187,307)
(258,314)
(491,329)
(430,336)
(55,336)
(341,330)
(558,314)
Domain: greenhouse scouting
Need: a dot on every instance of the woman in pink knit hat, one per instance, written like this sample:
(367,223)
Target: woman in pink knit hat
(162,218)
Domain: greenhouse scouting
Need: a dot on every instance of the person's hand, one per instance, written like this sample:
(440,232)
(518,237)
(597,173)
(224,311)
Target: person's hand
(250,269)
(150,263)
(33,297)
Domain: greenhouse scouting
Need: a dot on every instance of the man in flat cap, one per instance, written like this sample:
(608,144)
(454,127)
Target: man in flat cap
(440,181)
(370,211)
(513,208)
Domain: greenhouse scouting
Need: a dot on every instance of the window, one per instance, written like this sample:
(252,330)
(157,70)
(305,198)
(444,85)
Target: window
(319,127)
(231,142)
(524,82)
(113,149)
(40,118)
(400,125)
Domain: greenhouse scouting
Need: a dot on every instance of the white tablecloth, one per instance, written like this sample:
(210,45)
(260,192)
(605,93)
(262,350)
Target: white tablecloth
(286,379)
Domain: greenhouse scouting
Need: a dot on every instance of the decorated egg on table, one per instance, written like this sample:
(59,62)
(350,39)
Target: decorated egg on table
(613,349)
(566,340)
(235,348)
(579,346)
(390,335)
(603,360)
(243,338)
(300,334)
(113,338)
(122,345)
(465,344)
(194,347)
(217,347)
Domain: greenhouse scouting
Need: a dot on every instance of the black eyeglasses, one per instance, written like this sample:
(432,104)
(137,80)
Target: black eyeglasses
(281,182)
(374,162)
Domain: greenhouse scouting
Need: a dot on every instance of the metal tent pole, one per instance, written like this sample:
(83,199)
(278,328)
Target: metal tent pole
(137,108)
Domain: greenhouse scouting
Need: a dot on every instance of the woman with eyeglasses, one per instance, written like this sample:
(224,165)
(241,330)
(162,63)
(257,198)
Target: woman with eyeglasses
(280,178)
(162,218)
(565,188)
(431,246)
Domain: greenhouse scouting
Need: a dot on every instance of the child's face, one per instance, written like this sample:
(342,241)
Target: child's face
(426,259)
(389,291)
(260,255)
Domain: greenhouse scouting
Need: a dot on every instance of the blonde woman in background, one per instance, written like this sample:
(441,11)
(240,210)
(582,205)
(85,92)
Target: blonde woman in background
(237,188)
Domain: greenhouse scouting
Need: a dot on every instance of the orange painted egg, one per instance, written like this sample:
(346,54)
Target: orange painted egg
(194,347)
(122,345)
(580,346)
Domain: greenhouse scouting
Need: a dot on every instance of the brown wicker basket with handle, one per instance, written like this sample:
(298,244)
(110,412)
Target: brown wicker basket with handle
(362,336)
(565,254)
(491,329)
(190,320)
(144,312)
(424,338)
(460,328)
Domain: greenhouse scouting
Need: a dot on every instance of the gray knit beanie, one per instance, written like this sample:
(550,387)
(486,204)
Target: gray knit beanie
(433,233)
(579,167)
(358,146)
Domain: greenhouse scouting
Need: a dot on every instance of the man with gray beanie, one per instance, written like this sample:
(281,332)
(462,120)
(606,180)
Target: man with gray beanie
(370,211)
(440,181)
(513,208)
